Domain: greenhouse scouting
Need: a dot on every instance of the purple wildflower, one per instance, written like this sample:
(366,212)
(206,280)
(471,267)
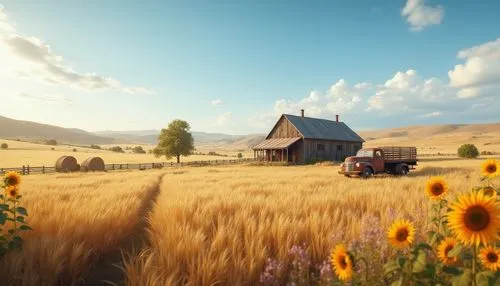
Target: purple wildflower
(271,273)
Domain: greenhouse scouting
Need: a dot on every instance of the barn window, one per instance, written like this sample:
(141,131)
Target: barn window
(321,147)
(339,147)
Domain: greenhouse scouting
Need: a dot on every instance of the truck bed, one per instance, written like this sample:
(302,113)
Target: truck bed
(400,154)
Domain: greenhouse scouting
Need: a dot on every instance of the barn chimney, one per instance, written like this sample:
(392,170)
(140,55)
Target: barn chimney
(302,112)
(337,118)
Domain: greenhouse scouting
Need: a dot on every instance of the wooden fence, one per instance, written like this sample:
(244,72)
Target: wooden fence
(27,169)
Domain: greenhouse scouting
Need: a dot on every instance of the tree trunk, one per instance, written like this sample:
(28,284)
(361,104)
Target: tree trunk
(178,159)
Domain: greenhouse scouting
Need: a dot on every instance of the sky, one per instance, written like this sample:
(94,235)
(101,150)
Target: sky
(235,66)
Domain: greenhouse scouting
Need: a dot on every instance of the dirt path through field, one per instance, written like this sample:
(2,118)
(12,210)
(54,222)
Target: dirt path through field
(107,270)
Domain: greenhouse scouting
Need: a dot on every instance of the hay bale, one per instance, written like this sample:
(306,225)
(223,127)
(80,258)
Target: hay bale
(67,164)
(93,164)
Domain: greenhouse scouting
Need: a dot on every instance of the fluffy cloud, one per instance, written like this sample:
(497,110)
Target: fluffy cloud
(30,57)
(216,102)
(420,16)
(480,71)
(224,118)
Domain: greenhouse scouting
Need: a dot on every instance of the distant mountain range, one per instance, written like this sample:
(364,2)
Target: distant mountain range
(32,131)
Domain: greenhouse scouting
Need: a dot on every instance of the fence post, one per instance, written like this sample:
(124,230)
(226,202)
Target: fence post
(24,172)
(43,169)
(127,166)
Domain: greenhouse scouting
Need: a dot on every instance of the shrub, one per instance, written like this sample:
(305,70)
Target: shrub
(240,155)
(75,150)
(52,149)
(4,146)
(138,150)
(117,149)
(51,142)
(95,147)
(468,151)
(487,153)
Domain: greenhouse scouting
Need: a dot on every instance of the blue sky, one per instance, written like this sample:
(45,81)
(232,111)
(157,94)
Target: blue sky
(235,66)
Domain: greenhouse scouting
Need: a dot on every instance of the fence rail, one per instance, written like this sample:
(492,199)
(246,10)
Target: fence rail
(28,170)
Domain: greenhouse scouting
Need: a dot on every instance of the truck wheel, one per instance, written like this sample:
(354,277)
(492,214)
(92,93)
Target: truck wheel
(367,172)
(403,171)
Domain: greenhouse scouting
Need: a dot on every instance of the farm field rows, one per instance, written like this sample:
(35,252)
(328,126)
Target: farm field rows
(209,224)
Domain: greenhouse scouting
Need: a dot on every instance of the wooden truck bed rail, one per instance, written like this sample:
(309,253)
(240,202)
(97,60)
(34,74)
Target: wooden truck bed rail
(392,153)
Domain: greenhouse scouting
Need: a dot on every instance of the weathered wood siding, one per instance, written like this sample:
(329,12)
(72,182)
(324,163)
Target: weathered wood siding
(284,129)
(332,150)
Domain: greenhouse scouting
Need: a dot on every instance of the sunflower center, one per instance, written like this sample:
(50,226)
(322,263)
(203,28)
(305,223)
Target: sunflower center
(492,168)
(448,249)
(477,218)
(402,234)
(12,192)
(492,257)
(342,262)
(437,189)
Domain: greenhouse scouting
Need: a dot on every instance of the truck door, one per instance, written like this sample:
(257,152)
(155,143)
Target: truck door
(378,161)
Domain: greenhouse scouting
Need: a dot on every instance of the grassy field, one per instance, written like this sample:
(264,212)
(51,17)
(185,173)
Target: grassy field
(209,225)
(24,153)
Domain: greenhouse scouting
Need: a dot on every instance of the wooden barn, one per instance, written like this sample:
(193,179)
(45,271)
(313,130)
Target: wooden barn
(300,139)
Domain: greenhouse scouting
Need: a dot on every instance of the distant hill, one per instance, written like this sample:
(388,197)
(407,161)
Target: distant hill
(27,130)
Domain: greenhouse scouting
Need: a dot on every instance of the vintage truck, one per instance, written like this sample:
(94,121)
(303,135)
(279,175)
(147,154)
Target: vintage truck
(380,160)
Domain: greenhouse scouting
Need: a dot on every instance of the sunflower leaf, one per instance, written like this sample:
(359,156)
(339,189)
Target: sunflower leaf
(419,264)
(455,251)
(25,227)
(401,261)
(452,270)
(423,245)
(398,282)
(4,207)
(22,211)
(390,267)
(463,280)
(486,278)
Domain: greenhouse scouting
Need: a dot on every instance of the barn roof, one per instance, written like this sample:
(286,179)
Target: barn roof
(276,143)
(315,128)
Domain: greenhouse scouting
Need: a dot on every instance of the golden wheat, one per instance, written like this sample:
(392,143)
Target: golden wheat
(75,219)
(219,225)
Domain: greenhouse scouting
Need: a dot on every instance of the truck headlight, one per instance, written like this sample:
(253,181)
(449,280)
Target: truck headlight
(357,165)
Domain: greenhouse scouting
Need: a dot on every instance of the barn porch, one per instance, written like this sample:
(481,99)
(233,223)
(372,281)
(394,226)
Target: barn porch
(278,150)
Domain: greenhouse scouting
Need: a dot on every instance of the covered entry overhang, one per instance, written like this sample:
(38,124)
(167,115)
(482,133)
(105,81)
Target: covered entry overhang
(275,149)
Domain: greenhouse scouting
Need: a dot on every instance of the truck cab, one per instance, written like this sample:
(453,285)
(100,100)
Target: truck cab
(371,161)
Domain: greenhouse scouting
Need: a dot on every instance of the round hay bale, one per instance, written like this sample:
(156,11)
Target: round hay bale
(67,164)
(93,164)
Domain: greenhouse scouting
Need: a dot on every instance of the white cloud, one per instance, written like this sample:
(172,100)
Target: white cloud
(216,102)
(224,118)
(31,58)
(420,16)
(431,114)
(480,71)
(55,98)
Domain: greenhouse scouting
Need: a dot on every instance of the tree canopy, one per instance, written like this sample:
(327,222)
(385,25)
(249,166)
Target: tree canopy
(175,141)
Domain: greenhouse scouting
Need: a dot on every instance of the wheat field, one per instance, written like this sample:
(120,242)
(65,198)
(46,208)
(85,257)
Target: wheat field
(217,226)
(209,225)
(76,218)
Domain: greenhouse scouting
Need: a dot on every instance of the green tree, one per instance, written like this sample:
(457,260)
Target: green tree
(117,149)
(468,151)
(51,142)
(4,146)
(240,155)
(175,141)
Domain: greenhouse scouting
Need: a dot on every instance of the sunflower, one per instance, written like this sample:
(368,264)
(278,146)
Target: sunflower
(342,263)
(12,191)
(401,234)
(12,179)
(489,191)
(436,188)
(490,258)
(490,168)
(474,218)
(444,248)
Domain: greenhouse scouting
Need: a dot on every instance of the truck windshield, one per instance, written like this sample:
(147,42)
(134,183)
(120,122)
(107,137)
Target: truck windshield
(364,153)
